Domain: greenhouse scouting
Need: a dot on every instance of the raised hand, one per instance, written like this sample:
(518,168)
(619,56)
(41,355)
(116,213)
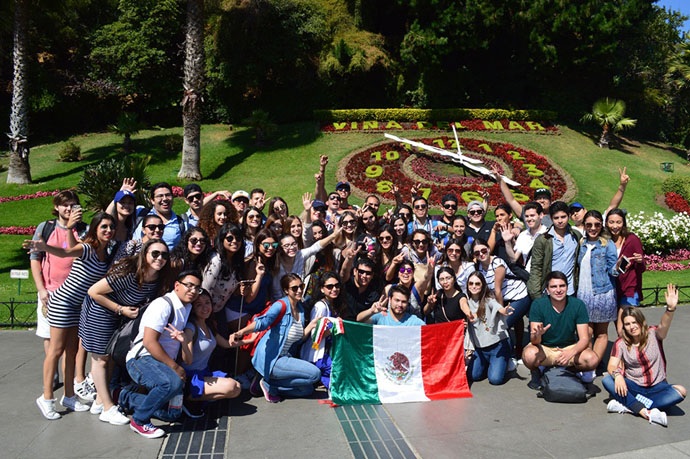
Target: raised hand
(506,232)
(484,194)
(433,298)
(306,201)
(671,295)
(625,178)
(75,216)
(496,172)
(323,161)
(175,334)
(398,259)
(129,184)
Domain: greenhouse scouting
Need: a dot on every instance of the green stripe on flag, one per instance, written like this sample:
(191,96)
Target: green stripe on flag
(353,375)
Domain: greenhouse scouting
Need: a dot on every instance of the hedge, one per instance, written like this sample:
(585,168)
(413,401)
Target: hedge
(434,114)
(677,184)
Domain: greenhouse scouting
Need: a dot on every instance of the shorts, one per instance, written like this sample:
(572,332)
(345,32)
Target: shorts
(627,301)
(552,353)
(195,380)
(42,324)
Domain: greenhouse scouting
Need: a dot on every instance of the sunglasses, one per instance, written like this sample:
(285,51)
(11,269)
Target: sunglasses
(157,253)
(385,238)
(405,270)
(152,227)
(269,245)
(474,284)
(420,206)
(254,217)
(450,206)
(231,238)
(110,227)
(475,212)
(334,198)
(349,223)
(420,241)
(453,251)
(197,240)
(195,197)
(592,225)
(331,286)
(480,252)
(297,288)
(365,273)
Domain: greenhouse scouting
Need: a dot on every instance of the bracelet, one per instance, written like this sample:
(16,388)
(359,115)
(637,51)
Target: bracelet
(617,372)
(119,310)
(670,310)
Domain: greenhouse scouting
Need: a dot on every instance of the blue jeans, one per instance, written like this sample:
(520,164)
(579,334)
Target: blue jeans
(291,376)
(661,395)
(521,307)
(492,361)
(162,383)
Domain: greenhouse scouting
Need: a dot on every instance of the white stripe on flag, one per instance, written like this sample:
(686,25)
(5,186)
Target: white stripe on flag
(398,361)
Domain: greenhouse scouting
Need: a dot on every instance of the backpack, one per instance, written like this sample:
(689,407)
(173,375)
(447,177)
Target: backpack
(562,386)
(124,337)
(256,336)
(143,212)
(49,227)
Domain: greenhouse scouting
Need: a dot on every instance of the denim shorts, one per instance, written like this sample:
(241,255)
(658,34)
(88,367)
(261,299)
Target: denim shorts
(628,301)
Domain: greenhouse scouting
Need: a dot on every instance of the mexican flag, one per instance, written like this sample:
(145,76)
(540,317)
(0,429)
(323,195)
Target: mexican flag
(380,364)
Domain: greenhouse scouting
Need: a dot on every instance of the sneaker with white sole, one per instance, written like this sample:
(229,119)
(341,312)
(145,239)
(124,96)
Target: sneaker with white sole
(512,364)
(657,417)
(96,408)
(614,406)
(114,416)
(270,398)
(85,389)
(47,408)
(74,404)
(146,430)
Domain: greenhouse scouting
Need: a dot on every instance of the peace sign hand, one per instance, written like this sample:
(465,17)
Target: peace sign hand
(625,178)
(175,333)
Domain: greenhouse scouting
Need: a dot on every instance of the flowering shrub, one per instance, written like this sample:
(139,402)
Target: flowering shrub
(28,230)
(22,197)
(677,203)
(660,235)
(493,125)
(663,263)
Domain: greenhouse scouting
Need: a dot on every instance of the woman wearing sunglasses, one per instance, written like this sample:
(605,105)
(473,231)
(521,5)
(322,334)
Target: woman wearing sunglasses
(92,259)
(348,235)
(151,228)
(278,206)
(417,289)
(327,301)
(130,283)
(251,225)
(276,223)
(214,215)
(274,360)
(385,251)
(454,258)
(598,267)
(192,253)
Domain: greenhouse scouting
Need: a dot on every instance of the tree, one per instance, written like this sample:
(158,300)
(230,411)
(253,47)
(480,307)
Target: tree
(127,126)
(608,113)
(193,86)
(19,169)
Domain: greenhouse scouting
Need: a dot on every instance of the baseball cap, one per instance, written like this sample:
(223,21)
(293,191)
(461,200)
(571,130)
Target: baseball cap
(542,191)
(240,194)
(191,188)
(343,185)
(474,204)
(574,207)
(124,193)
(318,204)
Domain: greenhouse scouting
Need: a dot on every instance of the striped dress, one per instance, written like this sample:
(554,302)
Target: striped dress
(64,306)
(97,323)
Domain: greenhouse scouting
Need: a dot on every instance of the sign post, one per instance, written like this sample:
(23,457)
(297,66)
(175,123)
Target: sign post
(19,274)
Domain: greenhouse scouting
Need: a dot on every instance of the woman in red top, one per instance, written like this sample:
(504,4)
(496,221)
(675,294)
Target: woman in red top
(629,283)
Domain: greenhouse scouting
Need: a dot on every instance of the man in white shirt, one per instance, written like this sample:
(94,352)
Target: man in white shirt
(151,360)
(522,247)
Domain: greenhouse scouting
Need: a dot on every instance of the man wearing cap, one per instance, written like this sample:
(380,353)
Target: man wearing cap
(195,199)
(449,203)
(161,196)
(343,189)
(240,199)
(479,228)
(577,214)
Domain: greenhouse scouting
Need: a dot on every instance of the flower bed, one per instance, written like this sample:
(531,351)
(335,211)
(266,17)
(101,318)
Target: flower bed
(665,263)
(27,230)
(22,197)
(676,202)
(660,235)
(375,170)
(504,125)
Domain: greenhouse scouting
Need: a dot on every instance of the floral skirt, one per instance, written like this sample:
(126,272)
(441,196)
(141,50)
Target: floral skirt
(601,307)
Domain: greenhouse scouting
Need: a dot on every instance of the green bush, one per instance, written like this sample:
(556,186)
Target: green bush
(173,143)
(69,152)
(434,114)
(102,180)
(677,184)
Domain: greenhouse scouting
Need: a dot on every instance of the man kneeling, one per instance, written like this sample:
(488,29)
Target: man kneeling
(554,319)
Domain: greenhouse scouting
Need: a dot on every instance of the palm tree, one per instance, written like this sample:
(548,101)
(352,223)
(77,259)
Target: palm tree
(608,113)
(19,170)
(678,72)
(127,126)
(193,86)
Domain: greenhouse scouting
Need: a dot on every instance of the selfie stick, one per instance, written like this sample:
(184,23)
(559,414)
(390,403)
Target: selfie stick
(239,324)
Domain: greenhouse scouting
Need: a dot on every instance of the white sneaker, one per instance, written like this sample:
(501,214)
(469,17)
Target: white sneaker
(658,417)
(96,408)
(615,406)
(86,390)
(73,403)
(512,364)
(47,408)
(114,416)
(587,376)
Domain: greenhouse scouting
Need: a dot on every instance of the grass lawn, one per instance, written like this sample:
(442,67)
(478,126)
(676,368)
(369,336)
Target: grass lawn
(230,160)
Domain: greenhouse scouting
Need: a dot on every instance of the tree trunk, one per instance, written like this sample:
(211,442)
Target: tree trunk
(605,140)
(193,86)
(19,170)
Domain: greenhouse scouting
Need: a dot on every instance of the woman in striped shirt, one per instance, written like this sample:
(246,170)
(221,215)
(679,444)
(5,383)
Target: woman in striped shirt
(129,284)
(91,262)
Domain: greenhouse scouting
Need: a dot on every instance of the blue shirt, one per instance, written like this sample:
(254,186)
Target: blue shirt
(408,320)
(172,234)
(191,219)
(563,258)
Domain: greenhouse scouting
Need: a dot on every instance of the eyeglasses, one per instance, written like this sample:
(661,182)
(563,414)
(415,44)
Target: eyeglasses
(450,206)
(385,238)
(110,227)
(331,286)
(153,227)
(268,245)
(254,217)
(291,245)
(163,196)
(483,251)
(280,207)
(191,287)
(420,206)
(593,225)
(420,241)
(453,251)
(197,240)
(297,288)
(231,238)
(195,197)
(406,270)
(474,284)
(157,253)
(349,223)
(365,273)
(475,212)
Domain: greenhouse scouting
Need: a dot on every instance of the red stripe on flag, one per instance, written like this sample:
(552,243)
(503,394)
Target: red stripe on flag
(443,361)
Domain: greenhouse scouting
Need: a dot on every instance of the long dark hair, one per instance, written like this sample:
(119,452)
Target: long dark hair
(458,242)
(603,232)
(235,263)
(464,238)
(91,237)
(405,236)
(484,294)
(621,213)
(136,264)
(449,270)
(288,222)
(339,307)
(211,321)
(181,251)
(260,237)
(245,227)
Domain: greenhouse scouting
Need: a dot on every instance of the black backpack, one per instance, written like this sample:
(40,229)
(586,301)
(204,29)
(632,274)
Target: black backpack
(49,227)
(562,386)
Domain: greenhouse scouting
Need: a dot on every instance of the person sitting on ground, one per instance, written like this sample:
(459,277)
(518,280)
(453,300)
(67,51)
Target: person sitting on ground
(637,367)
(396,314)
(151,360)
(554,320)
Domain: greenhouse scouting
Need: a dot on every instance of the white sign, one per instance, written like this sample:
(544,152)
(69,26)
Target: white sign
(19,274)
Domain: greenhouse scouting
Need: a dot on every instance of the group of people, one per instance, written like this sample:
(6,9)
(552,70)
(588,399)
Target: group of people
(238,270)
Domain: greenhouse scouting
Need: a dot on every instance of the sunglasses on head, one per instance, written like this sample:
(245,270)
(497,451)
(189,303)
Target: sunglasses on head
(153,227)
(475,212)
(405,270)
(197,240)
(483,251)
(331,286)
(268,245)
(158,253)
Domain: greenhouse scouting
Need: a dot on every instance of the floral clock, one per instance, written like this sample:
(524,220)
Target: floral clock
(375,169)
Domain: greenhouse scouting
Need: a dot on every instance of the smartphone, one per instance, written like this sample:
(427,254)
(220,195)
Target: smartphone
(76,207)
(625,262)
(247,281)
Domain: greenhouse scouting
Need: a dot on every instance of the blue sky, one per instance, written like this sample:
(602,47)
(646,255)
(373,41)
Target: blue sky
(678,5)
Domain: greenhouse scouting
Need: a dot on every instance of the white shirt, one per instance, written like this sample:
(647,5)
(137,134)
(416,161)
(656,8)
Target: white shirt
(524,243)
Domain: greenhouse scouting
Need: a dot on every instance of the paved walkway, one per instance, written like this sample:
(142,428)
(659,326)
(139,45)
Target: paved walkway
(505,421)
